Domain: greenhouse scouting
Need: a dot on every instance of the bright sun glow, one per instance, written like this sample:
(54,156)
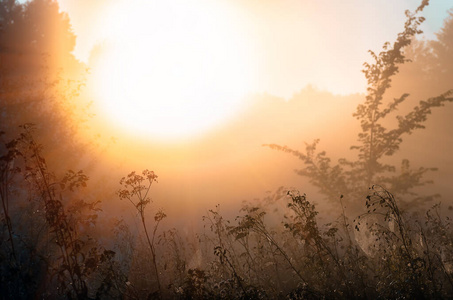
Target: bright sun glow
(172,69)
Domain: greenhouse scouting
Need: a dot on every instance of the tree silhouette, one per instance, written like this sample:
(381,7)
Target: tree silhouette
(375,142)
(32,34)
(39,77)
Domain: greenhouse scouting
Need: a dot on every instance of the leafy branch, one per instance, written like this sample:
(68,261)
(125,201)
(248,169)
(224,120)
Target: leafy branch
(351,177)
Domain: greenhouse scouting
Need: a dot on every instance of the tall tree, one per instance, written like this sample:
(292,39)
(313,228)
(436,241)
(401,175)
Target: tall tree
(352,178)
(34,34)
(39,76)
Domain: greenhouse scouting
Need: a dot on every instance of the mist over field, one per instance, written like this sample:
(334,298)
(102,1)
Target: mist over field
(240,150)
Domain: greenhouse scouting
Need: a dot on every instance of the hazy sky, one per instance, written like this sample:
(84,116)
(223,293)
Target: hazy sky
(288,44)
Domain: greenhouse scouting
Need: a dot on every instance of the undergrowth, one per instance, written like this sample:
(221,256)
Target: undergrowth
(274,248)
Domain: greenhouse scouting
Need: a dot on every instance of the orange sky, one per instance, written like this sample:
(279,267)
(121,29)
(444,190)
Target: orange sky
(175,70)
(289,46)
(294,42)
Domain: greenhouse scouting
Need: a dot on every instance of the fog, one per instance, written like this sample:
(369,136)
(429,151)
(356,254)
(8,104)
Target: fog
(232,202)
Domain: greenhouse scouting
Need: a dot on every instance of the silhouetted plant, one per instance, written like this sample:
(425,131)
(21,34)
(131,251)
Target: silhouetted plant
(219,227)
(14,269)
(136,189)
(387,255)
(194,286)
(253,221)
(6,177)
(55,249)
(70,273)
(350,178)
(181,254)
(404,259)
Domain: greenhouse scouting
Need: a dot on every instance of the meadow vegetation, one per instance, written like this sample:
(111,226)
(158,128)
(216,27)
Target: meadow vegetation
(388,246)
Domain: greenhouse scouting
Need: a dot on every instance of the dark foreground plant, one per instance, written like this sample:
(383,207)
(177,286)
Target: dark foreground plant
(384,253)
(50,254)
(273,249)
(136,190)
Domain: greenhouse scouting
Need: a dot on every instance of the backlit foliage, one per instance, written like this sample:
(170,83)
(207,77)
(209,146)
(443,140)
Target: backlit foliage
(375,142)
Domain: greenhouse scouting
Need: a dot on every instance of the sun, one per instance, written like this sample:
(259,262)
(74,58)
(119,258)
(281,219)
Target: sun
(172,69)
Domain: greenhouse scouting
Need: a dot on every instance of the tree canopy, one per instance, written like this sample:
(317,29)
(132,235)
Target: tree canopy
(40,77)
